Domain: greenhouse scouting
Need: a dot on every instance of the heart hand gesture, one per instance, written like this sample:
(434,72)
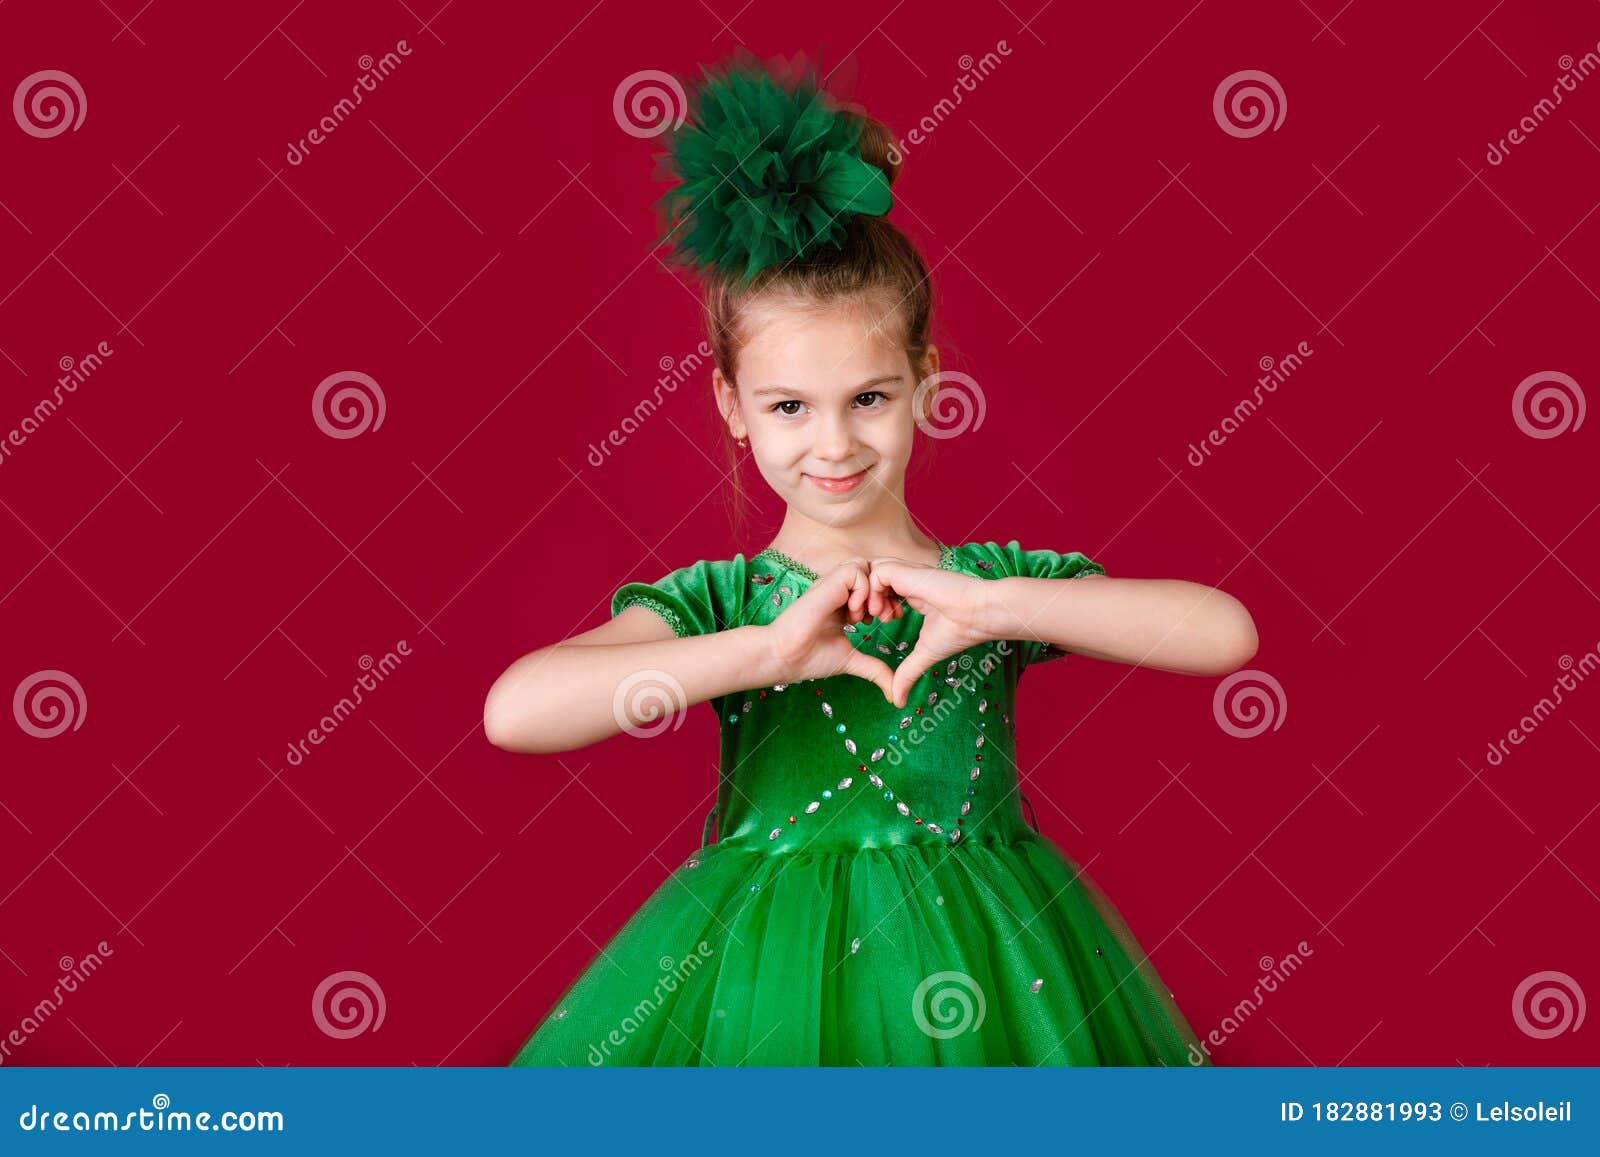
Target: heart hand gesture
(952,607)
(808,639)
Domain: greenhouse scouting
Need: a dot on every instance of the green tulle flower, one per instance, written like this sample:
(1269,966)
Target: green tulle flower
(770,172)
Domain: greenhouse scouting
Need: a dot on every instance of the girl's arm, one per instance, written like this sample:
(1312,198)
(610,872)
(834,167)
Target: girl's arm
(1169,624)
(566,695)
(633,669)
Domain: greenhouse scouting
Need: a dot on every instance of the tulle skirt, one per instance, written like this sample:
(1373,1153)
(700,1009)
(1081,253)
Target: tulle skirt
(912,954)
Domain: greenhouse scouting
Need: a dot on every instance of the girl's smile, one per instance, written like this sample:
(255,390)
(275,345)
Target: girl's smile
(839,485)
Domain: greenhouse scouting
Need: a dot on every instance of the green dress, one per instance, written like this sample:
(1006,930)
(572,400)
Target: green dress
(874,894)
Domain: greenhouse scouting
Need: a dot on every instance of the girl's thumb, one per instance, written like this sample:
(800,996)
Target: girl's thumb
(875,671)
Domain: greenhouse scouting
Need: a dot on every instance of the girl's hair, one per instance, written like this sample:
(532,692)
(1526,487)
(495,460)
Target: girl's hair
(877,270)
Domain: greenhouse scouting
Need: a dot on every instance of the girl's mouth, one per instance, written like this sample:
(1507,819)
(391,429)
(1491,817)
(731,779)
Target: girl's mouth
(839,485)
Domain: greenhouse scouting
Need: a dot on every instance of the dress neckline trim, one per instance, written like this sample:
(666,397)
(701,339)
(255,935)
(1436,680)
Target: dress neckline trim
(947,560)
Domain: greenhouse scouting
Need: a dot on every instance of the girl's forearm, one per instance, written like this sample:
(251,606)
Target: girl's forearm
(1169,624)
(570,695)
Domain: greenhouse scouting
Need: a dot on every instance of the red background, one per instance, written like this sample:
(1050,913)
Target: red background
(185,542)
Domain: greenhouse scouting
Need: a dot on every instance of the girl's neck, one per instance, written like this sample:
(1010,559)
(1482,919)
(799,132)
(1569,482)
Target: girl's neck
(823,547)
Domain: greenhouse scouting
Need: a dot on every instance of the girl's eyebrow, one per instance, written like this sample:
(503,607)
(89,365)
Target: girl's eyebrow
(878,381)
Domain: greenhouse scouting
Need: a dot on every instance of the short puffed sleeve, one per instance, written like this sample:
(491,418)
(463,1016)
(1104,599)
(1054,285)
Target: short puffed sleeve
(687,599)
(1012,561)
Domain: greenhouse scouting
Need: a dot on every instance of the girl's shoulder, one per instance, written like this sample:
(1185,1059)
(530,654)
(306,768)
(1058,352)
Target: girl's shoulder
(1012,560)
(699,598)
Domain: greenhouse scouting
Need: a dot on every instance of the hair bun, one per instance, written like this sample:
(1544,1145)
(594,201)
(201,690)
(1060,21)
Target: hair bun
(771,168)
(878,147)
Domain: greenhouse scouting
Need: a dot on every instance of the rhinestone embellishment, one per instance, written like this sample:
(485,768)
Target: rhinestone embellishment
(904,809)
(952,675)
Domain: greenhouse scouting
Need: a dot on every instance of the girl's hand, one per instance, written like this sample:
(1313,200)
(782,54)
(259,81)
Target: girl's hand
(808,639)
(954,608)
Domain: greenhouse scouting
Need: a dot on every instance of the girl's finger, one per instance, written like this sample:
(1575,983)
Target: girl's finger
(909,671)
(875,671)
(853,599)
(859,591)
(838,585)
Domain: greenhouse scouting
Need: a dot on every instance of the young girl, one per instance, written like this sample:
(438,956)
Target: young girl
(874,894)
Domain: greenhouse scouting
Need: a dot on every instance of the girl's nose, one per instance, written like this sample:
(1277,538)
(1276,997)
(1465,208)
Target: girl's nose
(833,438)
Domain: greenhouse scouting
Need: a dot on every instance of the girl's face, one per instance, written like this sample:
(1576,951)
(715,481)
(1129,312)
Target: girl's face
(826,401)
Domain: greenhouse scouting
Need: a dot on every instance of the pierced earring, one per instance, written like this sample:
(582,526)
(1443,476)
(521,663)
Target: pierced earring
(741,443)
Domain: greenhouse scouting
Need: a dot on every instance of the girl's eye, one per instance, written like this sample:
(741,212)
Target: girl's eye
(879,395)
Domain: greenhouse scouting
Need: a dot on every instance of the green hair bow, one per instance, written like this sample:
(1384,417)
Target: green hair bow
(770,172)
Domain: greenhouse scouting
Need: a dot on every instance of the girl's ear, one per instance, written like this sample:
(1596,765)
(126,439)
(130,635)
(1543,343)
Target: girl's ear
(928,369)
(728,403)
